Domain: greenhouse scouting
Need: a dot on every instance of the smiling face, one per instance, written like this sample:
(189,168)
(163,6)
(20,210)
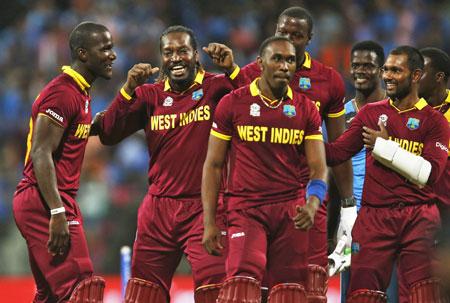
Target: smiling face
(100,54)
(179,58)
(278,64)
(397,76)
(365,71)
(296,30)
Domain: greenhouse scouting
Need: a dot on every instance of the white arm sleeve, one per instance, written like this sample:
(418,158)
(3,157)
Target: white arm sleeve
(415,168)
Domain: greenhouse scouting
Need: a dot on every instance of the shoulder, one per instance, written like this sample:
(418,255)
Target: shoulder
(325,70)
(61,87)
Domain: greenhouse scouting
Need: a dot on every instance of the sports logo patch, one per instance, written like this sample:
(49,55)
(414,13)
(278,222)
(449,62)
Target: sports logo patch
(289,110)
(413,123)
(197,95)
(168,101)
(383,118)
(304,83)
(255,110)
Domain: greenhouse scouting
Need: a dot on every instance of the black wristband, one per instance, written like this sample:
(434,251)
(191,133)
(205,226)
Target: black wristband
(348,202)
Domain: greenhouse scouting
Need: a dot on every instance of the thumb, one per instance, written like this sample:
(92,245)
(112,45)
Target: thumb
(154,70)
(381,125)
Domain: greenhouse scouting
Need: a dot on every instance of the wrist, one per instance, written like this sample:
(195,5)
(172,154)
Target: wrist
(348,202)
(57,210)
(127,92)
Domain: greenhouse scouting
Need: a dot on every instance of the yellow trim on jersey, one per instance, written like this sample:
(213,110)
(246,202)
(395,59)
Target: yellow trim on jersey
(79,79)
(254,90)
(220,136)
(29,137)
(198,80)
(235,73)
(419,105)
(314,137)
(51,119)
(447,100)
(336,115)
(125,94)
(307,62)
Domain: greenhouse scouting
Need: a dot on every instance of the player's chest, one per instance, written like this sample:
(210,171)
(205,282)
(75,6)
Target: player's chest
(410,130)
(256,122)
(315,88)
(174,111)
(81,124)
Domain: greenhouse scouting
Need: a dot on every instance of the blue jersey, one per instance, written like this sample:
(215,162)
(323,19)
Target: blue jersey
(358,160)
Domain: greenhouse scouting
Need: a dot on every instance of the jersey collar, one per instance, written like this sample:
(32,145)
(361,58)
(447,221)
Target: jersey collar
(254,90)
(198,80)
(307,62)
(419,105)
(77,77)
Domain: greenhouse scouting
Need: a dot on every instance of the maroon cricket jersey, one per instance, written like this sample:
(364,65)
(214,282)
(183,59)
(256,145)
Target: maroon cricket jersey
(320,83)
(177,129)
(66,101)
(420,130)
(265,144)
(442,186)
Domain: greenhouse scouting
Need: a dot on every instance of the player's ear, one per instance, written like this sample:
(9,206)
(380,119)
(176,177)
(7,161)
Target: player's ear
(197,56)
(440,76)
(416,75)
(82,54)
(259,62)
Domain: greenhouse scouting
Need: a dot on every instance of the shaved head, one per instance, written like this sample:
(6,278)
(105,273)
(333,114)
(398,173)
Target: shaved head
(82,36)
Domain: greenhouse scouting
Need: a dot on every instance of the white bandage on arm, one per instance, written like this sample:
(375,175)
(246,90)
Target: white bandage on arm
(415,168)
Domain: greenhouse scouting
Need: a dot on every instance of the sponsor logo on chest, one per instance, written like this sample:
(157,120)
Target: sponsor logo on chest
(168,101)
(289,110)
(255,110)
(197,95)
(413,123)
(304,83)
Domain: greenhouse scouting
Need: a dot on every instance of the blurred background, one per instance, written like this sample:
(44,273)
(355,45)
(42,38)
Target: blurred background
(34,45)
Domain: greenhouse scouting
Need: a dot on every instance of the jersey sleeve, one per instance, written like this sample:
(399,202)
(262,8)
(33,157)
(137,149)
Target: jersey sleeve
(59,106)
(435,148)
(337,95)
(222,126)
(313,130)
(125,115)
(245,75)
(349,143)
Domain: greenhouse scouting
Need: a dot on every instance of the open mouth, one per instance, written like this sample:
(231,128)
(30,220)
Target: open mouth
(390,86)
(178,70)
(108,67)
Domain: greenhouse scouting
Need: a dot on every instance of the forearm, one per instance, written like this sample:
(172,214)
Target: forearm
(210,192)
(343,176)
(44,170)
(117,122)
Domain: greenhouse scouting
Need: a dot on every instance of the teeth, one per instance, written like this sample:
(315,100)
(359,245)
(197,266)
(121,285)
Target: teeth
(178,67)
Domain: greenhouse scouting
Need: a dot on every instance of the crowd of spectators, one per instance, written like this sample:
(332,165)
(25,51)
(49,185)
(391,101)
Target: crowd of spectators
(34,45)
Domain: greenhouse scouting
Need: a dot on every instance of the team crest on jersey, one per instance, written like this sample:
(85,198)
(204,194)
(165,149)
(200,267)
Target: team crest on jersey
(413,123)
(168,101)
(383,118)
(197,95)
(86,106)
(255,110)
(304,83)
(289,110)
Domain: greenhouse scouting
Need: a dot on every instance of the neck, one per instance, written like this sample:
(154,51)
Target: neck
(406,102)
(300,59)
(273,93)
(183,85)
(82,70)
(437,97)
(362,98)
